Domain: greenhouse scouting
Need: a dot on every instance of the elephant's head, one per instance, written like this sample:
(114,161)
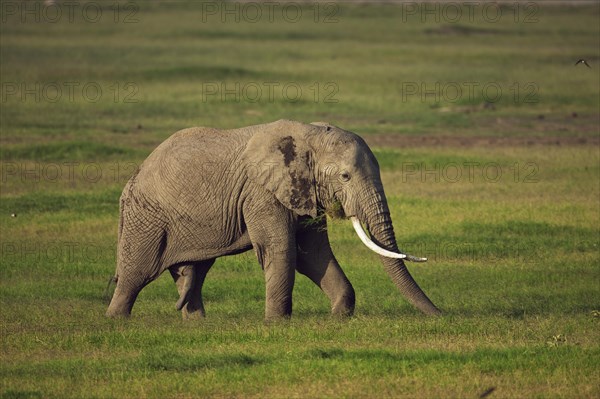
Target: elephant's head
(317,168)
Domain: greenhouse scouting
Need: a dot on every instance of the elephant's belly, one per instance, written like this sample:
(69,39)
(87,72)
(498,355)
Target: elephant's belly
(186,249)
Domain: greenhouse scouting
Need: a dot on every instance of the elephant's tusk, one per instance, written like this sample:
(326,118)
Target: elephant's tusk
(376,248)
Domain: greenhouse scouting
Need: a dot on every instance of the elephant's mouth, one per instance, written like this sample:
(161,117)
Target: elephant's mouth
(335,210)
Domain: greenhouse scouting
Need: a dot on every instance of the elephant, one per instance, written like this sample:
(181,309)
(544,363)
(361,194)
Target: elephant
(205,193)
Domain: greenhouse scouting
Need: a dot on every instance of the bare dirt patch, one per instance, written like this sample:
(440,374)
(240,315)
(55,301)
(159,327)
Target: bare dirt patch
(402,141)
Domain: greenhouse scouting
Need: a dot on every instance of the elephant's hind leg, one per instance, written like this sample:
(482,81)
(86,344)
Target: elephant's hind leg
(139,263)
(189,279)
(123,299)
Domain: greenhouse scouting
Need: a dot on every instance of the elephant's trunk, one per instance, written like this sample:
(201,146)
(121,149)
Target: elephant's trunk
(376,215)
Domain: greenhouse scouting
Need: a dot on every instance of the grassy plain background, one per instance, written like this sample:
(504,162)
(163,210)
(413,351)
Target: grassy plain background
(513,261)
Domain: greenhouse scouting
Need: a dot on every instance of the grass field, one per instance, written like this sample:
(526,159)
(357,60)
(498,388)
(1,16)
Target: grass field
(502,194)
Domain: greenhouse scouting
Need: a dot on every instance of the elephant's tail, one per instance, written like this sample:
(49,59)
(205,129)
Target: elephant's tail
(113,279)
(121,206)
(107,294)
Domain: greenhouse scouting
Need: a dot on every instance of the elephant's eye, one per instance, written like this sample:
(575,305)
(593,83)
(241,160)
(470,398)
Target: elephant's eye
(345,176)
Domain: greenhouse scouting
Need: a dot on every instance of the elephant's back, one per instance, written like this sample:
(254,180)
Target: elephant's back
(200,142)
(191,165)
(215,144)
(195,148)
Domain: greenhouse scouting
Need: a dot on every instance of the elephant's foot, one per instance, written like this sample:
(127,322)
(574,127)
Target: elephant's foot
(278,312)
(192,313)
(117,314)
(344,305)
(342,313)
(123,300)
(277,319)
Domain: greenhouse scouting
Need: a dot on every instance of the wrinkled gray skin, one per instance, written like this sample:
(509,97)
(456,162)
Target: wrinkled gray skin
(206,193)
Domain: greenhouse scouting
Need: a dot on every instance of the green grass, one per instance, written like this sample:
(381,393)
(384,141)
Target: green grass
(511,230)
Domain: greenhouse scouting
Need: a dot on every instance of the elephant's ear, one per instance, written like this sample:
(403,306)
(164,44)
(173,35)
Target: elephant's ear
(278,158)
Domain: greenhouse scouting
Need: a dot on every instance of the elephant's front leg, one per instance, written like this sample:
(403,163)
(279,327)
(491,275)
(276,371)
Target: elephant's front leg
(279,264)
(273,239)
(317,262)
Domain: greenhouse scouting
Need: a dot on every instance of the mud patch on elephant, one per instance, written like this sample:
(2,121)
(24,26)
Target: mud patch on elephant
(287,146)
(300,196)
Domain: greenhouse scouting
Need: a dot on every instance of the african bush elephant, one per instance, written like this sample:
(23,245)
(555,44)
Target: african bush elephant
(205,193)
